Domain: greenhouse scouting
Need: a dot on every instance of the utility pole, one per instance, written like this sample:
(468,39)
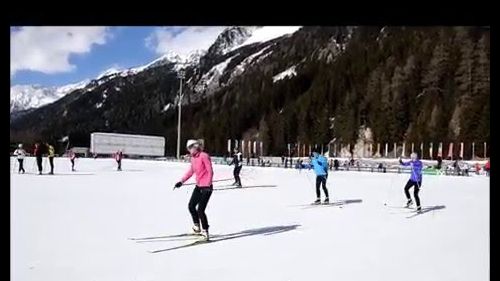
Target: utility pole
(181,76)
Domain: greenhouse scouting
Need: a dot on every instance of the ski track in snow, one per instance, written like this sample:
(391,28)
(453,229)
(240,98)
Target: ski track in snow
(76,226)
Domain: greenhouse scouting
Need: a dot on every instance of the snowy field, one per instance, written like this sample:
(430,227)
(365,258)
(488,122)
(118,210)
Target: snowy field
(76,226)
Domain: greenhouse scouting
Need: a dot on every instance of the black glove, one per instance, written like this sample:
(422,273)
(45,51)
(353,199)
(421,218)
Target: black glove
(400,161)
(177,185)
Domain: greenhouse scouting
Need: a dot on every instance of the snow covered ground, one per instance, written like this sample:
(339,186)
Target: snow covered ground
(75,226)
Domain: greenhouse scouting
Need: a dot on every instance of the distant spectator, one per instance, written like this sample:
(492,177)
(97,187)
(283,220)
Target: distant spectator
(380,167)
(478,169)
(38,155)
(72,157)
(487,168)
(51,155)
(439,162)
(118,158)
(336,164)
(20,153)
(456,167)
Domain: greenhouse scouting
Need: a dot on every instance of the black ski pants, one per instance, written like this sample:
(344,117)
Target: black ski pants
(417,185)
(39,163)
(21,168)
(321,180)
(236,173)
(200,197)
(51,162)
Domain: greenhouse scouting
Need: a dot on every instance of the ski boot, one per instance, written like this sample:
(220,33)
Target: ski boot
(327,201)
(318,201)
(196,229)
(419,209)
(206,236)
(409,203)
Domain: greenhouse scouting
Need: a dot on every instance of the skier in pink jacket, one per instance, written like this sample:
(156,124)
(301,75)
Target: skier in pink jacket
(201,166)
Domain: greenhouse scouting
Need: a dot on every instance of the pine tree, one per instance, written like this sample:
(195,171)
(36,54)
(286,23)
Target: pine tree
(264,136)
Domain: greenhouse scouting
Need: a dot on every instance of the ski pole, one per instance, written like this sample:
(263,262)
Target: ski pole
(193,183)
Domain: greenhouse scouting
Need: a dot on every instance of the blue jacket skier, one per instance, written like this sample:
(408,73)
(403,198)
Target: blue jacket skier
(415,179)
(320,166)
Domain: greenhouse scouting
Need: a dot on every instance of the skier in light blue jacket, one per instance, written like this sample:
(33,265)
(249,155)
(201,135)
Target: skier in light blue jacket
(320,166)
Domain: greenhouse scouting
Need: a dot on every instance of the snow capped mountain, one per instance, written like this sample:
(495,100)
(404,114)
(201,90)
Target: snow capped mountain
(33,96)
(23,97)
(235,37)
(194,56)
(266,33)
(210,80)
(230,38)
(108,72)
(179,62)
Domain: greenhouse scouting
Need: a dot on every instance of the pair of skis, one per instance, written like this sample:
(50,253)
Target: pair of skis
(408,210)
(197,240)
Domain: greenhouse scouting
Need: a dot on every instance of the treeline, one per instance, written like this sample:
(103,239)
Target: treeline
(413,84)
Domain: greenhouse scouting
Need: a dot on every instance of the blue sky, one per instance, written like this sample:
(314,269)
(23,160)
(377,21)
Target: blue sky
(54,56)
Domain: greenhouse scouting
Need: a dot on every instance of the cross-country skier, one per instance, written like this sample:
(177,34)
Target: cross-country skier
(118,158)
(238,164)
(51,158)
(72,156)
(320,165)
(38,155)
(201,166)
(20,153)
(415,179)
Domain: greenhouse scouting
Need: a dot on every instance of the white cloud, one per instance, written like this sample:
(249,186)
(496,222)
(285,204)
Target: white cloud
(182,40)
(47,49)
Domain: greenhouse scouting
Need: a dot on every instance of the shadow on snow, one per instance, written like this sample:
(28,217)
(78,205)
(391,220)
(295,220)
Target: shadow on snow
(271,230)
(426,210)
